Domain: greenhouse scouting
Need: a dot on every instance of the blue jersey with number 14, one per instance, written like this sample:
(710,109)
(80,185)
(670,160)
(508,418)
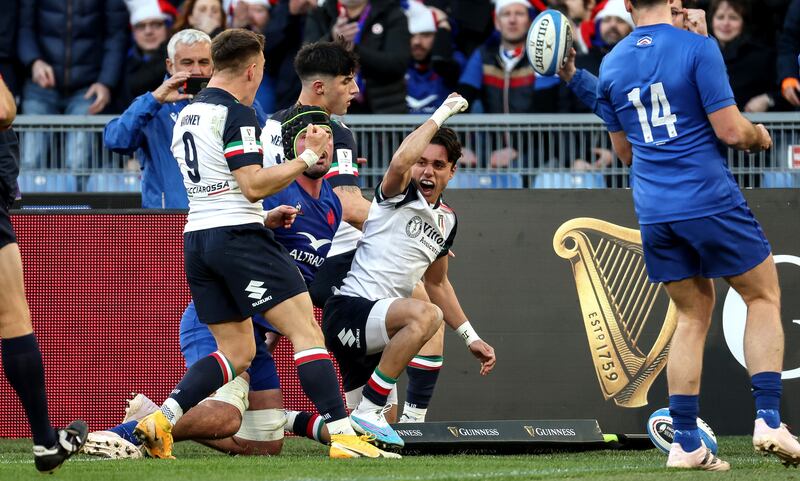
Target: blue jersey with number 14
(659,85)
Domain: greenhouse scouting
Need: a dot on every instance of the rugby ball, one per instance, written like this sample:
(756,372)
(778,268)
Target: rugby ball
(661,432)
(548,43)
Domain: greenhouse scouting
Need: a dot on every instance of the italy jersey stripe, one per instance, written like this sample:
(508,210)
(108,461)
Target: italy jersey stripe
(312,354)
(237,148)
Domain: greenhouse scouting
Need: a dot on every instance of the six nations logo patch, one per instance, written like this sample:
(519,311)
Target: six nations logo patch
(414,226)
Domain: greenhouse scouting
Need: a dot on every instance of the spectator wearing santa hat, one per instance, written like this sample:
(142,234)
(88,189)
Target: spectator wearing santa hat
(435,67)
(144,67)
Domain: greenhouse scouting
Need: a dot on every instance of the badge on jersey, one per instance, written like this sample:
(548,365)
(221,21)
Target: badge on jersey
(249,141)
(344,163)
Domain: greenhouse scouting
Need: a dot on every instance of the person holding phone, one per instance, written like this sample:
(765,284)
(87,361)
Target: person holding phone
(145,127)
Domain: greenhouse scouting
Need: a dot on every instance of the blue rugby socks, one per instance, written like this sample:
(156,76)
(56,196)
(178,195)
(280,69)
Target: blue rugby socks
(125,431)
(684,409)
(423,372)
(767,388)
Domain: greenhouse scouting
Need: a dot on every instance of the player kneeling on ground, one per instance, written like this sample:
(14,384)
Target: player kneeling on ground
(373,326)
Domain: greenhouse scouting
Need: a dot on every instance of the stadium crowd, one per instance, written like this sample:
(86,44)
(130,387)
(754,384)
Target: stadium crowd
(97,56)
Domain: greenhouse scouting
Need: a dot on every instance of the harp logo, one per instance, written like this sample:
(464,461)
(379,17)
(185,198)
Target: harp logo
(617,301)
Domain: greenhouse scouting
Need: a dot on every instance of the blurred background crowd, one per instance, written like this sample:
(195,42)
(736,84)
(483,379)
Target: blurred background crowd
(97,56)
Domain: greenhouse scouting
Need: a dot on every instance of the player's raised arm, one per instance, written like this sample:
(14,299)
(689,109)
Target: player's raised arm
(398,175)
(441,293)
(258,182)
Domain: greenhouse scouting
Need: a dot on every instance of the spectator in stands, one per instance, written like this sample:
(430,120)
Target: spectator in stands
(74,52)
(577,10)
(499,77)
(613,24)
(285,37)
(749,62)
(254,15)
(144,68)
(250,14)
(499,74)
(146,126)
(788,49)
(205,15)
(378,32)
(471,21)
(435,67)
(9,66)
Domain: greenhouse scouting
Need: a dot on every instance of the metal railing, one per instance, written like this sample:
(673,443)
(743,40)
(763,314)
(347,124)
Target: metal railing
(66,153)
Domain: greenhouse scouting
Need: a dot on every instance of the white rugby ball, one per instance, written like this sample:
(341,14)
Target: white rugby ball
(661,432)
(549,41)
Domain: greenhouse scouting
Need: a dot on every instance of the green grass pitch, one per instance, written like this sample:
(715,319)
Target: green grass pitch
(305,460)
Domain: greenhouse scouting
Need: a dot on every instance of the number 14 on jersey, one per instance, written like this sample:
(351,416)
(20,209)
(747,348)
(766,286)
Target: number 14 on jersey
(660,114)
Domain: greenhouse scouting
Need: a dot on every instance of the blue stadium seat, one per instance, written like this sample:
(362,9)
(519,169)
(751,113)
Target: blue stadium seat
(780,180)
(569,180)
(473,180)
(31,182)
(117,182)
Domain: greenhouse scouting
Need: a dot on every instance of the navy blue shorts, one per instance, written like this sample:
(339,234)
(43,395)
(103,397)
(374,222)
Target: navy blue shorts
(197,342)
(721,245)
(235,272)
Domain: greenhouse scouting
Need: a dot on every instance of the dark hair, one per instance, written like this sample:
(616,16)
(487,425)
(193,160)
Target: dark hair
(742,7)
(646,3)
(297,119)
(182,22)
(448,139)
(325,58)
(233,48)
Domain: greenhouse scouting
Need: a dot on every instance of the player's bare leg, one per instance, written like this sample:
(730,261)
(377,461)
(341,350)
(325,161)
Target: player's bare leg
(763,351)
(694,301)
(422,371)
(235,351)
(261,433)
(410,323)
(24,370)
(294,318)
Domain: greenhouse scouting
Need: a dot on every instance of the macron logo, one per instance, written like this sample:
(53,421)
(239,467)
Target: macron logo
(347,337)
(314,242)
(255,289)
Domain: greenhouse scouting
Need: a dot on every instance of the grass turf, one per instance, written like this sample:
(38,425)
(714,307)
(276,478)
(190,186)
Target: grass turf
(305,460)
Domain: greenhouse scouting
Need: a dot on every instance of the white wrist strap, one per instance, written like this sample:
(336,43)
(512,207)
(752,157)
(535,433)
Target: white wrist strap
(467,333)
(309,157)
(449,108)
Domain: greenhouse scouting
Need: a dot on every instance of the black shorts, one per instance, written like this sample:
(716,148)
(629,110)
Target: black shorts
(330,275)
(9,153)
(355,332)
(237,271)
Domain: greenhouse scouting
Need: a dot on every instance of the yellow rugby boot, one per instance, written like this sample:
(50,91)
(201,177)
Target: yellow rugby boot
(353,446)
(155,433)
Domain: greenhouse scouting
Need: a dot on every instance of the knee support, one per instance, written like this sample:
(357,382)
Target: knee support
(262,425)
(234,393)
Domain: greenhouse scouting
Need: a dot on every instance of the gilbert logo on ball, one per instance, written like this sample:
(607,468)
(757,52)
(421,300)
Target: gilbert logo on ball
(662,433)
(549,41)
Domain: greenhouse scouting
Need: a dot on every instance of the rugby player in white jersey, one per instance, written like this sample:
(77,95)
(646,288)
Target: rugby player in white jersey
(327,72)
(372,325)
(234,266)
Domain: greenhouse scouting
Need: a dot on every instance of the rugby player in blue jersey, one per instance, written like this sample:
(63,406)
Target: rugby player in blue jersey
(665,97)
(583,83)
